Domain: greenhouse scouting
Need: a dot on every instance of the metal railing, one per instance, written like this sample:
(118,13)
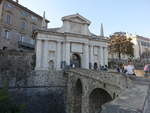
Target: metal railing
(26,42)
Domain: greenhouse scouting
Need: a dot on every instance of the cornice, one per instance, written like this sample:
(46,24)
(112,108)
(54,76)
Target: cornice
(65,34)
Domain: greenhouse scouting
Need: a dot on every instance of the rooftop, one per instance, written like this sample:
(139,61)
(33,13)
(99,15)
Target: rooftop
(25,8)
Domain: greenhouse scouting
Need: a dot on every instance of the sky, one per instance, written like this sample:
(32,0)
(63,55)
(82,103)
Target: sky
(132,16)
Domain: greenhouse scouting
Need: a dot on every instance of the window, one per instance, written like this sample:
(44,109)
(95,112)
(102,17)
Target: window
(142,43)
(0,31)
(23,25)
(9,5)
(21,38)
(23,13)
(148,44)
(8,19)
(34,27)
(6,34)
(34,18)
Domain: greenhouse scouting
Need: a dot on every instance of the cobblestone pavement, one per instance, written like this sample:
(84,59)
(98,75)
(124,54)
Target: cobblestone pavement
(148,109)
(147,103)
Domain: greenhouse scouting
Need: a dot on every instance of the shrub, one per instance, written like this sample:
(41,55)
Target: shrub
(6,104)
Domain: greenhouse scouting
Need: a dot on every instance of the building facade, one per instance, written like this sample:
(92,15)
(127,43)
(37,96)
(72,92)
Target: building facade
(71,44)
(16,25)
(140,45)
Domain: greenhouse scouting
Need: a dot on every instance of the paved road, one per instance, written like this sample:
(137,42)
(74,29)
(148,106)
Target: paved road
(139,73)
(147,103)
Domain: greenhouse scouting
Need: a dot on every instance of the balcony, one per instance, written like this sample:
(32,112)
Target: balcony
(26,42)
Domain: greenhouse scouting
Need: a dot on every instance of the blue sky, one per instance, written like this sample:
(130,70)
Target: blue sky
(131,16)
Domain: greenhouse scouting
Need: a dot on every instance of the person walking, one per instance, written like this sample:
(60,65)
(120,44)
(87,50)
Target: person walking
(130,69)
(147,70)
(124,68)
(129,72)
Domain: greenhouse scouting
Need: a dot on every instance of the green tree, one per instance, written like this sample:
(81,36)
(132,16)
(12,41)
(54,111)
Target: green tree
(6,104)
(121,45)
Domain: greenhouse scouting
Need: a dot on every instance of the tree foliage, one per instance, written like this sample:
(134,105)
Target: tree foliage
(121,45)
(6,104)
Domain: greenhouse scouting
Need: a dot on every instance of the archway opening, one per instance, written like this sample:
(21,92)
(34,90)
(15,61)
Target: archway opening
(78,97)
(76,60)
(97,98)
(51,65)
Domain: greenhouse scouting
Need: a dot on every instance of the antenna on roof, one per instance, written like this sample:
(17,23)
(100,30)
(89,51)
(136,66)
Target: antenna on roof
(17,1)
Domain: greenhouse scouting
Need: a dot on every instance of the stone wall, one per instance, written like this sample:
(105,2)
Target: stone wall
(39,91)
(40,99)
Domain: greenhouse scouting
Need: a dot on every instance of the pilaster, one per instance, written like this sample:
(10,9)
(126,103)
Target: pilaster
(101,56)
(91,56)
(67,57)
(106,56)
(38,54)
(58,57)
(45,55)
(86,56)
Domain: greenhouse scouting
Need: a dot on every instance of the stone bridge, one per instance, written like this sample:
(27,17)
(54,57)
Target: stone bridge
(89,90)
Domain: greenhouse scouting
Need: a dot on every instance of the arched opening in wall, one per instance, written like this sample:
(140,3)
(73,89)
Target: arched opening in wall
(77,97)
(5,48)
(97,98)
(51,65)
(76,60)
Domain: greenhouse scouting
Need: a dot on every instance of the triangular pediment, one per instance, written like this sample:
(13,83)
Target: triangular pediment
(76,18)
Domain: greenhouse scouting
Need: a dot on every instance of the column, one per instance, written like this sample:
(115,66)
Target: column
(86,56)
(91,56)
(138,53)
(67,56)
(101,56)
(58,56)
(45,58)
(105,56)
(38,54)
(64,51)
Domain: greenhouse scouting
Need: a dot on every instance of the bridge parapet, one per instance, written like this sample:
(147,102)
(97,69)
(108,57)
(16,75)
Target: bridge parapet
(112,78)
